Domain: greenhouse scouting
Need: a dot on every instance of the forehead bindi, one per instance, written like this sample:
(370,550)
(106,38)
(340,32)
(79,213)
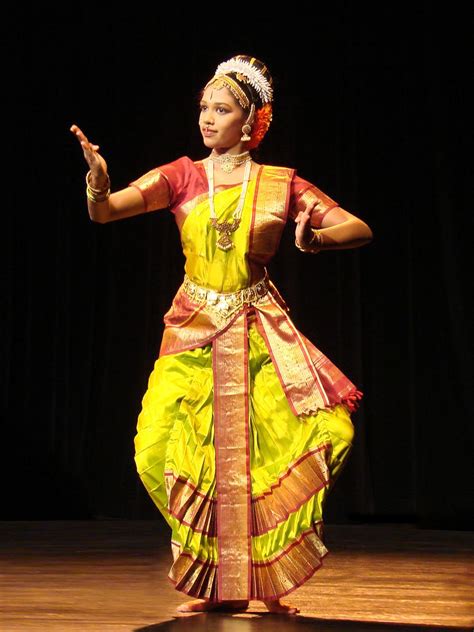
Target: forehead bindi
(221,95)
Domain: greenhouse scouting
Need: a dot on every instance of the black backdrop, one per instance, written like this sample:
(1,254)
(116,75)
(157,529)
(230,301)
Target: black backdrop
(371,108)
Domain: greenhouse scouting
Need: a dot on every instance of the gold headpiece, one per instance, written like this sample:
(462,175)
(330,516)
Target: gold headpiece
(247,73)
(223,80)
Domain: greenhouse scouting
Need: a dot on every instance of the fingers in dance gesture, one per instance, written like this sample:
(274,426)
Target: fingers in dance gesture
(103,205)
(303,231)
(96,162)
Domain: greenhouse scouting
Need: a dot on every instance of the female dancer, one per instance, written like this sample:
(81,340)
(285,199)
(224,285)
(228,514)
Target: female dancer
(245,424)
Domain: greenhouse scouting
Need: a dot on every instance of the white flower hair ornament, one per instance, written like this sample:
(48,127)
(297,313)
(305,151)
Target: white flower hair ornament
(251,75)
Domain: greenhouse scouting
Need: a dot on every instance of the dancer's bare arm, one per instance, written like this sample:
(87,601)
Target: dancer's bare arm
(120,204)
(340,229)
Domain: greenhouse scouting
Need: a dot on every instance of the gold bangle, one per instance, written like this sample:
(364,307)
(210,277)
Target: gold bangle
(318,236)
(95,198)
(107,185)
(97,195)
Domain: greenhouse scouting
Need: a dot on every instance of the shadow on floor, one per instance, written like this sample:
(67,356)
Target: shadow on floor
(253,621)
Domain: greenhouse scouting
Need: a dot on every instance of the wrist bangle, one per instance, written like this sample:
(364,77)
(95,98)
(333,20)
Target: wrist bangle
(315,244)
(318,238)
(97,195)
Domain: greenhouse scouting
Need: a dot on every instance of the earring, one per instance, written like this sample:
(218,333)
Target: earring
(247,128)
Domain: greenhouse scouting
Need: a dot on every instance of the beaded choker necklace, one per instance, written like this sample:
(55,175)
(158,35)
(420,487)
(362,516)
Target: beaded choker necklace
(228,162)
(226,228)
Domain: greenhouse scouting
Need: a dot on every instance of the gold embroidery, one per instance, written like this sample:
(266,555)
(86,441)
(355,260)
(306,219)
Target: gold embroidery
(288,569)
(269,214)
(309,196)
(231,438)
(190,506)
(303,479)
(155,188)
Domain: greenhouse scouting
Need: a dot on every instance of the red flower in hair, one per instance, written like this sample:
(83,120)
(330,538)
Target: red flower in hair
(263,118)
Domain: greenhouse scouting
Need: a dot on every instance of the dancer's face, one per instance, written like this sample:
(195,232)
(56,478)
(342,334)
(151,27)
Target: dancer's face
(221,119)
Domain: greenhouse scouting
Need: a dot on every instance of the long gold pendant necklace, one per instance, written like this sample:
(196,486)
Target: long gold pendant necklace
(226,228)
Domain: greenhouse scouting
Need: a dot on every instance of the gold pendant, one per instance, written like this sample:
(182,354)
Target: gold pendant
(228,167)
(224,242)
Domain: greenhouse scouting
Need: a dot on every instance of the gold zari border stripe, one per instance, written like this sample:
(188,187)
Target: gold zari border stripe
(302,480)
(288,570)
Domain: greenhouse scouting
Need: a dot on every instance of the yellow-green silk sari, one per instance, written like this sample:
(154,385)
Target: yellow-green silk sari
(245,425)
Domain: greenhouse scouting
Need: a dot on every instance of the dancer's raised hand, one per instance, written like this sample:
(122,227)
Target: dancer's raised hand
(96,162)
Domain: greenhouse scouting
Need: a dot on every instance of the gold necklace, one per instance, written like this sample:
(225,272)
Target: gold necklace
(224,242)
(228,162)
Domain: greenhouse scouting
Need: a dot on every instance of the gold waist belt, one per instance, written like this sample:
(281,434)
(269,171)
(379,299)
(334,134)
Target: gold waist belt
(224,304)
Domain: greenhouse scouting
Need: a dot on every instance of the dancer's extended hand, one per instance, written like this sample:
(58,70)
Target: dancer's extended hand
(96,162)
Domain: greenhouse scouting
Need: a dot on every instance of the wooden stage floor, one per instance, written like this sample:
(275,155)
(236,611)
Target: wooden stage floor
(112,575)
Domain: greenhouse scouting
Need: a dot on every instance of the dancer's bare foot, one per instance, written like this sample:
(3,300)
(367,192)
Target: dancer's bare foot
(275,605)
(202,605)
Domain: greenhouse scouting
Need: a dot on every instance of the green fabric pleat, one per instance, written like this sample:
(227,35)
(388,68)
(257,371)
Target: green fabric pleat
(175,432)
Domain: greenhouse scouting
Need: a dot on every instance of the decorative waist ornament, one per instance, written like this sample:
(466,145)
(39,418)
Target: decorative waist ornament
(224,304)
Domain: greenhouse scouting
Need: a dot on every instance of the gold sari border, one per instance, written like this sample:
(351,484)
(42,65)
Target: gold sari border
(189,506)
(193,576)
(185,482)
(290,469)
(302,480)
(304,351)
(231,438)
(271,579)
(254,213)
(269,213)
(289,569)
(298,377)
(294,489)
